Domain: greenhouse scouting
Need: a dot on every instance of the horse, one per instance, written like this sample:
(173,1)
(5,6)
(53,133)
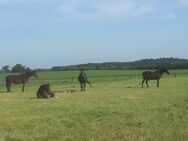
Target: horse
(19,79)
(155,75)
(82,78)
(45,92)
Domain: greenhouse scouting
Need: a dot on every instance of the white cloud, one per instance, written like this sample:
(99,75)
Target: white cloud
(169,16)
(65,8)
(78,10)
(129,9)
(115,8)
(21,1)
(37,1)
(11,16)
(104,10)
(184,2)
(145,9)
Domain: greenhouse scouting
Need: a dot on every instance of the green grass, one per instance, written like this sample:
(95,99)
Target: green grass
(109,111)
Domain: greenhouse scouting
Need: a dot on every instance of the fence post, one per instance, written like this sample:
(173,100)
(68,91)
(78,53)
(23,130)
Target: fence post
(115,77)
(175,75)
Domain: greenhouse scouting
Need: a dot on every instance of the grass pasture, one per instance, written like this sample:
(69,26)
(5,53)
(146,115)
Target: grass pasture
(110,110)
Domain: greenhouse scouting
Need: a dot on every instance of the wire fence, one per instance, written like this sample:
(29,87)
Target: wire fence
(114,77)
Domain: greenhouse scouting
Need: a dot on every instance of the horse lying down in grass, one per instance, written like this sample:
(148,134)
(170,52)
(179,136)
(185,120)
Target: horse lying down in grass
(45,92)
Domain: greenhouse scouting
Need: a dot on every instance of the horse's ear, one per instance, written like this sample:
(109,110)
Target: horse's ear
(82,69)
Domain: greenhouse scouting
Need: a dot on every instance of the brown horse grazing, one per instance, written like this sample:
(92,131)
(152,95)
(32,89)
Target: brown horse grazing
(156,75)
(19,79)
(45,92)
(82,78)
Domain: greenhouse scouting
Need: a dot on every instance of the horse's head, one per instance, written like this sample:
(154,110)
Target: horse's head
(165,70)
(34,73)
(81,70)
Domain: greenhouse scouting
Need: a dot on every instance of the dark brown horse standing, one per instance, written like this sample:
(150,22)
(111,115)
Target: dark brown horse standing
(156,75)
(82,78)
(19,79)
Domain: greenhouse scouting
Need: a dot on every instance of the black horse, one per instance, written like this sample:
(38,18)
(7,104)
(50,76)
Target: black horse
(19,79)
(156,75)
(82,78)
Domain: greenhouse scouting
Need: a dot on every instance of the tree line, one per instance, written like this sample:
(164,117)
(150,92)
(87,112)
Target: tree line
(18,68)
(170,63)
(145,64)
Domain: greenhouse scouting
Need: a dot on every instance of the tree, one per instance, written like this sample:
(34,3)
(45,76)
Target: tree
(27,69)
(18,68)
(5,69)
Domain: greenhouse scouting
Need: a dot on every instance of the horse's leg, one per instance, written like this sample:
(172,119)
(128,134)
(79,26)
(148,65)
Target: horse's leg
(157,82)
(88,82)
(84,86)
(147,83)
(8,87)
(81,86)
(23,87)
(45,94)
(143,83)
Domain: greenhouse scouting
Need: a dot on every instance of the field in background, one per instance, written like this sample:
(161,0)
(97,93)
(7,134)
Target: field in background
(93,75)
(112,109)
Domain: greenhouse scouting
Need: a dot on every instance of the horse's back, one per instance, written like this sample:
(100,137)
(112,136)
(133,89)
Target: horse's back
(16,79)
(148,75)
(44,91)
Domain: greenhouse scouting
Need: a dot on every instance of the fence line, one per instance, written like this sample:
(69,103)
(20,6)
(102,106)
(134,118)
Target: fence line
(102,77)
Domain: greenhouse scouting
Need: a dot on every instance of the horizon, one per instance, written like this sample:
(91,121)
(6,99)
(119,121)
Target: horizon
(47,33)
(92,63)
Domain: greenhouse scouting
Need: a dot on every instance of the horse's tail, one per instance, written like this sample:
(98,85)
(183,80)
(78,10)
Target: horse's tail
(88,82)
(143,73)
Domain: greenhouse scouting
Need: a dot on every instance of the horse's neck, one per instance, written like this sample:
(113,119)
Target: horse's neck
(159,72)
(27,76)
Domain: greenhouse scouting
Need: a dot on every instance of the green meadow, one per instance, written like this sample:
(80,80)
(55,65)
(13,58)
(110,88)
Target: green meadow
(114,108)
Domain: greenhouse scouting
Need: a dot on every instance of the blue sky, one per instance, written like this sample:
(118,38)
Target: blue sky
(46,33)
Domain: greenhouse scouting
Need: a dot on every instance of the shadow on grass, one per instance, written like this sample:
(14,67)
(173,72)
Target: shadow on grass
(4,92)
(138,125)
(60,91)
(43,98)
(33,98)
